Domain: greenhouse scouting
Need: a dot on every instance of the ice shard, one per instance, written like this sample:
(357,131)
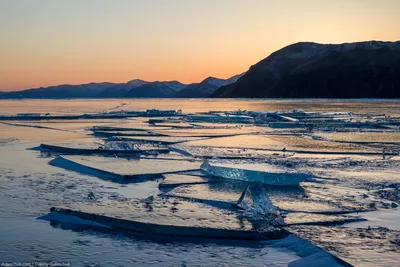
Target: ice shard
(266,174)
(255,199)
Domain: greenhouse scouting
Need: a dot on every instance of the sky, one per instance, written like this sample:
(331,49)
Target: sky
(51,42)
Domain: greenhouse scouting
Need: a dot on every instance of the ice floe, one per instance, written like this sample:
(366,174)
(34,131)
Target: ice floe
(255,173)
(171,217)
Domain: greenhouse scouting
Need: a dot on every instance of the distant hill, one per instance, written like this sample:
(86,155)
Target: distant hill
(89,90)
(132,89)
(312,70)
(121,90)
(205,88)
(156,89)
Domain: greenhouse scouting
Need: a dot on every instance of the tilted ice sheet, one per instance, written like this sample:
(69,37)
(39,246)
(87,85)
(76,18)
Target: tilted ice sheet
(170,139)
(267,174)
(134,167)
(211,132)
(123,133)
(86,143)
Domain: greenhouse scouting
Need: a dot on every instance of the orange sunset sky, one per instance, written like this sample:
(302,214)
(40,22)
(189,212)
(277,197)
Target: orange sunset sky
(50,42)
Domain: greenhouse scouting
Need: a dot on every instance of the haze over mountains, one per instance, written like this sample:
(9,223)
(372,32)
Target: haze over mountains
(302,70)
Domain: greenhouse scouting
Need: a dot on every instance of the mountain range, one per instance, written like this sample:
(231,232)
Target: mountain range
(132,89)
(303,70)
(311,70)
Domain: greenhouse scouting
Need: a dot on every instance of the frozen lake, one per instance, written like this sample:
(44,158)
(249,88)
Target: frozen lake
(351,179)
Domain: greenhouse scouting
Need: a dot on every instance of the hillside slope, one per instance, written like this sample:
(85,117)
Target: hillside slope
(311,70)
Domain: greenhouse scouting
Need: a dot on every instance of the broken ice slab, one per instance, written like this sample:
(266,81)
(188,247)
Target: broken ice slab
(124,133)
(116,129)
(170,217)
(212,132)
(97,151)
(180,151)
(263,173)
(221,118)
(280,117)
(103,174)
(175,180)
(255,200)
(172,124)
(164,140)
(122,169)
(158,112)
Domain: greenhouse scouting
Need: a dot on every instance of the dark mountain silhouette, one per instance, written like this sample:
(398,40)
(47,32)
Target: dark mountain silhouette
(64,91)
(311,70)
(131,89)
